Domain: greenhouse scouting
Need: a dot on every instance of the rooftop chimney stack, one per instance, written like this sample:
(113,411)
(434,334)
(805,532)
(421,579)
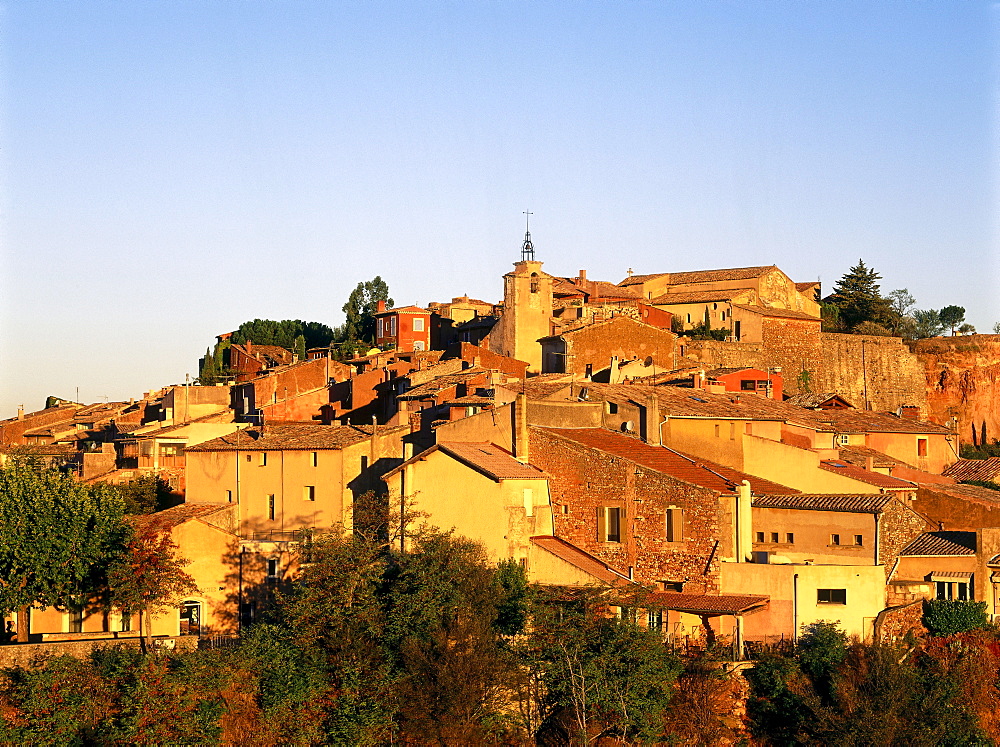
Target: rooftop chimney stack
(381,306)
(20,412)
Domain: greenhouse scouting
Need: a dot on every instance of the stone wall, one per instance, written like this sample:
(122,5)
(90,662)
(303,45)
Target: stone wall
(898,527)
(864,368)
(585,480)
(31,654)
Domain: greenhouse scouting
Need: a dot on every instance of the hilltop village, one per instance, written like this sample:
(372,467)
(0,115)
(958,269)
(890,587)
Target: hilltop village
(756,480)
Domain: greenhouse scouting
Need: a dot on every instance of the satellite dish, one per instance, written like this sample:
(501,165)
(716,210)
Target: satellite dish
(628,426)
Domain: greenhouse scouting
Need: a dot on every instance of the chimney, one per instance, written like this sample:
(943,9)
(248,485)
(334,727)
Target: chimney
(653,435)
(870,463)
(583,275)
(744,523)
(249,346)
(521,428)
(20,412)
(381,306)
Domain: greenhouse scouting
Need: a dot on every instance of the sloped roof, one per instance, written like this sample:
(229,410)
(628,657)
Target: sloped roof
(289,437)
(975,469)
(640,279)
(858,455)
(714,276)
(580,559)
(707,604)
(698,296)
(435,386)
(491,459)
(785,313)
(403,310)
(177,515)
(855,472)
(941,543)
(812,400)
(807,285)
(863,421)
(849,504)
(699,472)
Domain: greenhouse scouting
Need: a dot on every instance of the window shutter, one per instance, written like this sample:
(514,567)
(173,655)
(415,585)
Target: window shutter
(602,524)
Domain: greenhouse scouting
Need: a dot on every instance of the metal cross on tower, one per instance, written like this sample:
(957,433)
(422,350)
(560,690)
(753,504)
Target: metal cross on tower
(527,248)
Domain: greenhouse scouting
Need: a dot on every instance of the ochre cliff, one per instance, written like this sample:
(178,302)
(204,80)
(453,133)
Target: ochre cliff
(963,381)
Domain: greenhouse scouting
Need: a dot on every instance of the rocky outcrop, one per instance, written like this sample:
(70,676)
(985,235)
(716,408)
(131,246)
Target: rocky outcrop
(963,381)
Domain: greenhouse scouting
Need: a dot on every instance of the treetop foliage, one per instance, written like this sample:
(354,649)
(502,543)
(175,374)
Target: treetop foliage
(283,333)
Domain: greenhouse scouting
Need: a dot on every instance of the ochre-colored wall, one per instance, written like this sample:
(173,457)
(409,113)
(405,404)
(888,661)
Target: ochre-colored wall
(865,587)
(812,530)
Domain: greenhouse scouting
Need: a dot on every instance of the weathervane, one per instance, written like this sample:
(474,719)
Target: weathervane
(527,248)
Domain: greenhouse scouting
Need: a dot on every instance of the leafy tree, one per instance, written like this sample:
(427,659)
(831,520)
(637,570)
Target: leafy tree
(56,536)
(148,576)
(299,348)
(927,323)
(146,494)
(601,676)
(872,328)
(951,317)
(967,329)
(950,616)
(361,308)
(901,301)
(821,649)
(283,333)
(858,298)
(996,328)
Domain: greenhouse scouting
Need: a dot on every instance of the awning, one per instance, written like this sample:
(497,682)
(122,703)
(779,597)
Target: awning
(950,576)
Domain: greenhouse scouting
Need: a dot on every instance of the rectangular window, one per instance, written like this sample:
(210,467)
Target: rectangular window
(774,536)
(263,459)
(859,540)
(314,459)
(418,324)
(612,408)
(229,496)
(961,591)
(748,385)
(790,538)
(760,536)
(831,596)
(565,509)
(732,431)
(76,618)
(272,568)
(309,492)
(270,506)
(922,447)
(654,621)
(675,525)
(834,539)
(614,524)
(126,623)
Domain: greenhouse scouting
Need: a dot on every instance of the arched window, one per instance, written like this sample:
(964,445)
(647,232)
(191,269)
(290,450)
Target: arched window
(534,282)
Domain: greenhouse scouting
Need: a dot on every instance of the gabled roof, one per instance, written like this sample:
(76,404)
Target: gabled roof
(438,385)
(858,455)
(289,437)
(975,469)
(849,504)
(816,400)
(403,310)
(580,559)
(862,421)
(617,320)
(941,543)
(699,472)
(860,474)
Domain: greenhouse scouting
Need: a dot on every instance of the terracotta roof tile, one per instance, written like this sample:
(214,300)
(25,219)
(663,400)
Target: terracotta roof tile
(812,400)
(668,461)
(177,515)
(850,504)
(975,469)
(435,386)
(714,276)
(942,543)
(580,559)
(862,421)
(289,436)
(858,455)
(785,313)
(640,279)
(403,310)
(699,296)
(709,604)
(860,474)
(491,459)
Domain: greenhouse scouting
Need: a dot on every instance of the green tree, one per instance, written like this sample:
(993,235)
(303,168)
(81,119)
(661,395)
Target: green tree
(361,307)
(858,298)
(56,537)
(927,323)
(299,347)
(951,317)
(148,577)
(950,616)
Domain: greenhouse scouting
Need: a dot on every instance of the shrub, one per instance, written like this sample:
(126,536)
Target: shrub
(947,616)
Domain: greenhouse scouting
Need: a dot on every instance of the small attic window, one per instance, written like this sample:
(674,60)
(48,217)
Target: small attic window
(697,399)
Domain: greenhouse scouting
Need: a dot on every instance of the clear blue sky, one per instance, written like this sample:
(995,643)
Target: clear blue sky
(171,169)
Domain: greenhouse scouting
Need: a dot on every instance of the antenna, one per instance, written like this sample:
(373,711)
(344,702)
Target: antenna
(527,248)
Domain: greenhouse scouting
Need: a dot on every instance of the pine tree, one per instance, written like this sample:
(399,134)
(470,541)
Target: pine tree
(858,298)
